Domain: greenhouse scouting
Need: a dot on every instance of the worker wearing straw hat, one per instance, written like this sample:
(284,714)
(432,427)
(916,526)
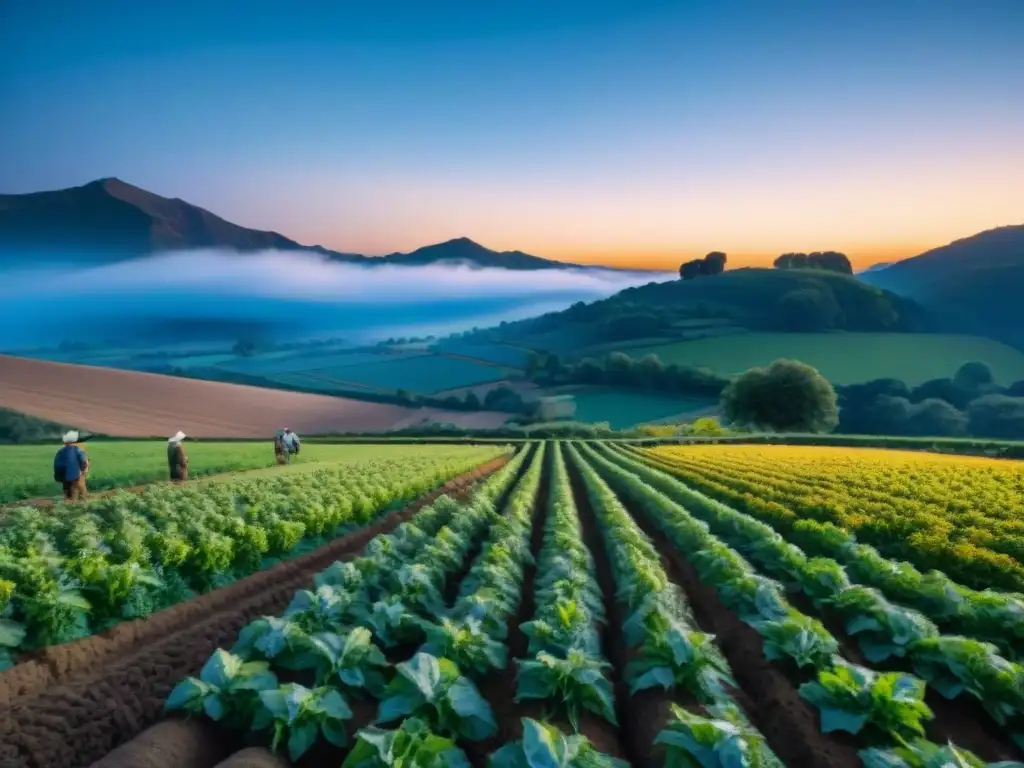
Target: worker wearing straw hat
(70,466)
(177,461)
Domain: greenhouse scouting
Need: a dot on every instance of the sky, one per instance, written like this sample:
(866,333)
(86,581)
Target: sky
(635,133)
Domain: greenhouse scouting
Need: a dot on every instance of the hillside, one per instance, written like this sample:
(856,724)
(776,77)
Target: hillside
(737,301)
(132,404)
(972,285)
(110,220)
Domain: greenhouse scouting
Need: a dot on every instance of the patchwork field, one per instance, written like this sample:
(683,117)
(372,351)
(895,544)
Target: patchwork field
(642,598)
(847,358)
(624,408)
(134,404)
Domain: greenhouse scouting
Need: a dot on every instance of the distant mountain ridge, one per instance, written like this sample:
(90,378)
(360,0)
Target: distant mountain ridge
(109,220)
(972,285)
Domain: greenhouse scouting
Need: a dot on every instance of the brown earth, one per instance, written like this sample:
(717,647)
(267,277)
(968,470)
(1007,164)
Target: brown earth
(73,704)
(254,757)
(134,404)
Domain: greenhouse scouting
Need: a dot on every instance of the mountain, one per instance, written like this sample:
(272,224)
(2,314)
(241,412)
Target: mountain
(110,220)
(973,285)
(877,267)
(464,250)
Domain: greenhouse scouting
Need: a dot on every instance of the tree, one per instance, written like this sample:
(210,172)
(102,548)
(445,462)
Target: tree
(714,263)
(830,261)
(690,269)
(943,389)
(935,418)
(472,401)
(786,396)
(974,376)
(808,309)
(997,416)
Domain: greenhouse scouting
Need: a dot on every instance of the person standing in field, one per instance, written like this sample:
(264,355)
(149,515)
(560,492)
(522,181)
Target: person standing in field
(291,442)
(280,452)
(70,466)
(177,461)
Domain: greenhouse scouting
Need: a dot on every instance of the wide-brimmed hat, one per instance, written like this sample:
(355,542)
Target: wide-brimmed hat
(71,436)
(177,438)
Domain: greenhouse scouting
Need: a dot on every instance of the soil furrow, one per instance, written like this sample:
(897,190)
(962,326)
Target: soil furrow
(790,725)
(637,715)
(87,714)
(499,688)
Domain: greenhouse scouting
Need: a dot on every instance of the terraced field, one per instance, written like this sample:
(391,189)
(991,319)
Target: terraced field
(639,599)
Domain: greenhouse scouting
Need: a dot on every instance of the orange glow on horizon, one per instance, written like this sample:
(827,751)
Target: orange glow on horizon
(666,259)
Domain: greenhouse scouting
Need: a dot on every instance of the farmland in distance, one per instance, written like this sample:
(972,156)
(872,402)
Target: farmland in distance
(656,574)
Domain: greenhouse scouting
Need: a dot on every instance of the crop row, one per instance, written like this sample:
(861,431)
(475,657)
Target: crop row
(64,576)
(883,709)
(977,544)
(571,614)
(988,616)
(335,640)
(886,632)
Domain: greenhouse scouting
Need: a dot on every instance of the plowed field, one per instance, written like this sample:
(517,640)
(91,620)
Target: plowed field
(133,404)
(594,588)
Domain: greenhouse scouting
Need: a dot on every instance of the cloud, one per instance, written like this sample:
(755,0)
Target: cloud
(295,293)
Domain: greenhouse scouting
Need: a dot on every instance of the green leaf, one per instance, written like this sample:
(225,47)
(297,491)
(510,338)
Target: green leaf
(841,720)
(220,668)
(185,694)
(423,671)
(302,737)
(214,707)
(335,732)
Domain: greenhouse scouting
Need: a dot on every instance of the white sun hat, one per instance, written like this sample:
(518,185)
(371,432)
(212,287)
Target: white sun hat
(71,436)
(177,438)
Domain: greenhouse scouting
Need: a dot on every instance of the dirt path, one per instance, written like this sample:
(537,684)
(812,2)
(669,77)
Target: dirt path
(73,704)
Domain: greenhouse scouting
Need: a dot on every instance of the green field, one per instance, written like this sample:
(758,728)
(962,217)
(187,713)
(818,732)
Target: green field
(848,358)
(623,408)
(26,471)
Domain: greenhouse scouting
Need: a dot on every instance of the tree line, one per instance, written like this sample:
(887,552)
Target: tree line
(714,263)
(790,396)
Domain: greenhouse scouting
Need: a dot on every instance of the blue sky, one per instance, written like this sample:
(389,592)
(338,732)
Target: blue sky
(619,132)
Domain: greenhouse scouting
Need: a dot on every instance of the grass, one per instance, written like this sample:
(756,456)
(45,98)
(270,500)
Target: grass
(26,471)
(424,374)
(848,358)
(626,408)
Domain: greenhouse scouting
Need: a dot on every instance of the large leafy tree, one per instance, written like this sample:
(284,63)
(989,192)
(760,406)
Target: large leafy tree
(786,396)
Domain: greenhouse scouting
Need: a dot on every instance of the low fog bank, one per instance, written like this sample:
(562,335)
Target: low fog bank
(211,295)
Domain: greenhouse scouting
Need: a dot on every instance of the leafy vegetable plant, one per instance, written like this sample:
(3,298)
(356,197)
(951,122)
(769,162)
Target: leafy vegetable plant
(435,690)
(351,661)
(544,746)
(300,715)
(575,682)
(227,689)
(412,745)
(720,741)
(851,698)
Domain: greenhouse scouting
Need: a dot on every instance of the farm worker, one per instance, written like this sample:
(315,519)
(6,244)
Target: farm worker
(291,442)
(70,466)
(177,461)
(279,448)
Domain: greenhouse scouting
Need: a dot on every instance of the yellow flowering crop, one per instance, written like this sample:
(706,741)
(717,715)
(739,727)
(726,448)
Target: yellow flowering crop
(963,515)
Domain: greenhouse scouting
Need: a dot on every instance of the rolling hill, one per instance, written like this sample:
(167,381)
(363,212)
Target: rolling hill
(736,301)
(110,220)
(973,285)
